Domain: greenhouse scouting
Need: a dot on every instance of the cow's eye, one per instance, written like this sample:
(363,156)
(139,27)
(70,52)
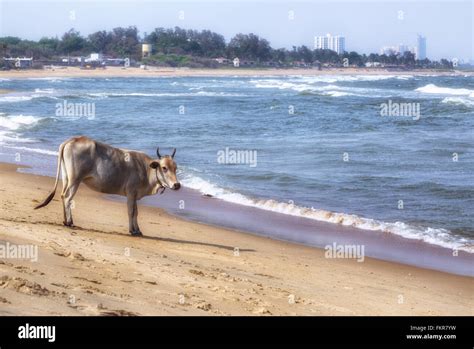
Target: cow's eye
(165,169)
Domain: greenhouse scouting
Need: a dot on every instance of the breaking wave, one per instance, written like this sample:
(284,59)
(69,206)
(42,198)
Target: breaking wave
(436,236)
(433,89)
(14,122)
(459,101)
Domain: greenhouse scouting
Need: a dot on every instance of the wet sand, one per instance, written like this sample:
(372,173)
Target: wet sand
(377,244)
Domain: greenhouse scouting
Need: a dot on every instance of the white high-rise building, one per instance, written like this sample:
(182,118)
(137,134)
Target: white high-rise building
(420,49)
(335,43)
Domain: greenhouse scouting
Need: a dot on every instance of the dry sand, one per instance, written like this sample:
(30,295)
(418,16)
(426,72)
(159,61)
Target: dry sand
(182,72)
(186,268)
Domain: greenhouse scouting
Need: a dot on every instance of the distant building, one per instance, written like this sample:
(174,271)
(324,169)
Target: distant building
(221,60)
(335,43)
(420,50)
(94,57)
(20,62)
(373,64)
(236,62)
(71,59)
(146,50)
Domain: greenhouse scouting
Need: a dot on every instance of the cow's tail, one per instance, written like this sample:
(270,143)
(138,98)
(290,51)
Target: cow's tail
(51,195)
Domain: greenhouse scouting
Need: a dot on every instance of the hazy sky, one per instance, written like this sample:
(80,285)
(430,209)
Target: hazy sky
(367,25)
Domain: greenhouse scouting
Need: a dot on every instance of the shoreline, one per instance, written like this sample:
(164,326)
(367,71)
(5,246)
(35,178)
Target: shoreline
(385,246)
(111,72)
(186,268)
(312,233)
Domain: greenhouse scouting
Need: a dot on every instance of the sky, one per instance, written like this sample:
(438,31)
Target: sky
(367,25)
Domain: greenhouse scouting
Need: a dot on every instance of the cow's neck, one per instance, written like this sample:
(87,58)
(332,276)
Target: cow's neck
(154,181)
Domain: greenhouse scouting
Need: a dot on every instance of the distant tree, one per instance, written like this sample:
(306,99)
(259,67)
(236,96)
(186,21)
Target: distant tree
(446,64)
(124,42)
(10,40)
(408,58)
(51,44)
(71,42)
(354,58)
(280,55)
(305,54)
(249,46)
(326,56)
(169,41)
(205,43)
(99,41)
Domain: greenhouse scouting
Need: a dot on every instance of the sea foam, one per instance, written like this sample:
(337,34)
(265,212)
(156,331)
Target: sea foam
(436,236)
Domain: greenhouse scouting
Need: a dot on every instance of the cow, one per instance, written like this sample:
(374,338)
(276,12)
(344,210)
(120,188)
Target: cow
(110,170)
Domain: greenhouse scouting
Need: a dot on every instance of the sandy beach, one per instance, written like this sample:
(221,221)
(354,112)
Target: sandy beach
(71,72)
(185,268)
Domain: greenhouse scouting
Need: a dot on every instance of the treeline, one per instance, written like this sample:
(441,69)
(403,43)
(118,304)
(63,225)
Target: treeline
(181,47)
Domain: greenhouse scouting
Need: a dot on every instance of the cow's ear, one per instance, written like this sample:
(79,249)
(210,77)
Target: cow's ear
(155,164)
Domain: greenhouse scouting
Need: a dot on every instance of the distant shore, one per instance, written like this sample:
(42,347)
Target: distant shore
(71,72)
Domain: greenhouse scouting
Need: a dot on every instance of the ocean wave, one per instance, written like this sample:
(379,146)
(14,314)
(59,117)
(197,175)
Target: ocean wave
(351,78)
(436,236)
(50,79)
(23,97)
(14,122)
(304,88)
(33,150)
(12,99)
(338,94)
(12,137)
(46,90)
(165,94)
(433,89)
(459,101)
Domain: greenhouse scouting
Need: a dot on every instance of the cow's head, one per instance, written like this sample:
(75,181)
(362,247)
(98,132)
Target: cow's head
(166,167)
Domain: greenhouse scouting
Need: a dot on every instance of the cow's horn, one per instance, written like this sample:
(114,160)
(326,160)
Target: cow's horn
(174,152)
(158,152)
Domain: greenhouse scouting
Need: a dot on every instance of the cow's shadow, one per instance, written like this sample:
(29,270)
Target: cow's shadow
(172,240)
(197,243)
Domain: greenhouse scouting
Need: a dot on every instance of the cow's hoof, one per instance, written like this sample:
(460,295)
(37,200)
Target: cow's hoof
(68,224)
(136,233)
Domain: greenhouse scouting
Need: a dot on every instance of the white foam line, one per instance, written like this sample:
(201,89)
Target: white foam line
(33,150)
(433,89)
(435,236)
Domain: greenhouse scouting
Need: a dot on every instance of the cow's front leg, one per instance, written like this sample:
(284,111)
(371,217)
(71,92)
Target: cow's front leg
(132,216)
(135,218)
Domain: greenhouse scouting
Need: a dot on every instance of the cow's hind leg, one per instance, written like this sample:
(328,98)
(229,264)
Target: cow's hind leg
(68,196)
(65,186)
(132,216)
